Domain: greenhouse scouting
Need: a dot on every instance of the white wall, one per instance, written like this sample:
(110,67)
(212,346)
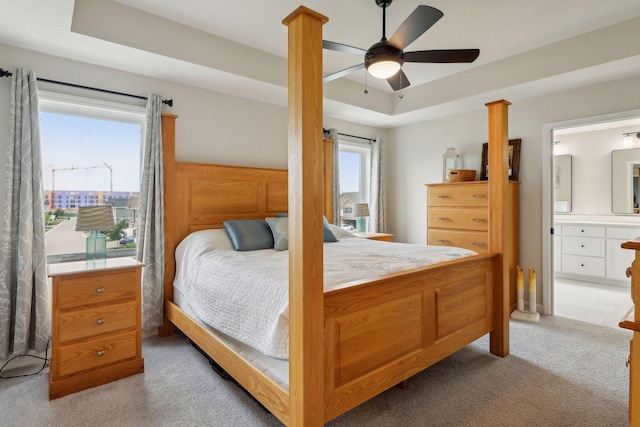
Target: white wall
(415,157)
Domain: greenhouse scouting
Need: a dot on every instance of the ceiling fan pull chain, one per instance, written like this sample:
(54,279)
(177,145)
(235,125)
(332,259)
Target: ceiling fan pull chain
(366,91)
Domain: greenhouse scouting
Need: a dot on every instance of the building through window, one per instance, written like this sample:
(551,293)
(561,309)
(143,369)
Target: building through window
(91,156)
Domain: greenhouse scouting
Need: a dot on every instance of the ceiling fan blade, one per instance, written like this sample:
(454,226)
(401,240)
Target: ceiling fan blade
(339,47)
(415,25)
(342,73)
(442,56)
(398,81)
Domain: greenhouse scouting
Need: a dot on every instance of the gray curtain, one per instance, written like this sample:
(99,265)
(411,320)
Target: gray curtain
(150,244)
(25,307)
(377,220)
(333,135)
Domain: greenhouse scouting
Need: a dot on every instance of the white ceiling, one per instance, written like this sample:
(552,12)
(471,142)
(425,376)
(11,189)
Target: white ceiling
(238,47)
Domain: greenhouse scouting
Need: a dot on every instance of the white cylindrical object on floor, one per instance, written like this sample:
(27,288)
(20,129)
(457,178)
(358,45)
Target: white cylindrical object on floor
(520,299)
(532,301)
(520,288)
(532,290)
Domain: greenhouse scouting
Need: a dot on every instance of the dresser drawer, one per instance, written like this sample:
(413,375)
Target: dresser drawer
(475,240)
(588,266)
(97,352)
(587,246)
(623,233)
(583,230)
(74,292)
(74,325)
(459,218)
(459,195)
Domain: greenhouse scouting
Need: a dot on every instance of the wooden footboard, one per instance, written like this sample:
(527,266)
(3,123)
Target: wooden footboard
(380,333)
(377,333)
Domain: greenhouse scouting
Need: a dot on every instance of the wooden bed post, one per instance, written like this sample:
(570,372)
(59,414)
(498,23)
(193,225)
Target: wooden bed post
(498,192)
(169,179)
(306,200)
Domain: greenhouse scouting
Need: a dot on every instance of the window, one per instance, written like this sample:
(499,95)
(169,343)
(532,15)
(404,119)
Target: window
(91,156)
(355,173)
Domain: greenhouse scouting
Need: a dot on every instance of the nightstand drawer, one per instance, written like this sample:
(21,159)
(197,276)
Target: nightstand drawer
(73,292)
(477,241)
(459,218)
(454,195)
(95,353)
(90,322)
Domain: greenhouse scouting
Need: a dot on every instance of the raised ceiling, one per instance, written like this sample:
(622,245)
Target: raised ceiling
(528,48)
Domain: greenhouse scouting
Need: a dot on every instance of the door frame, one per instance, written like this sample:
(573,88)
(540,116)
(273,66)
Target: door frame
(547,193)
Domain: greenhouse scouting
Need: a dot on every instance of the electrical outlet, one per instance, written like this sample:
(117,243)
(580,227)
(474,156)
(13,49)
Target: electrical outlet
(591,210)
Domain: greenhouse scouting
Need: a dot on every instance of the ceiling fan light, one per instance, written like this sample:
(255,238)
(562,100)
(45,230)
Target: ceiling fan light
(384,69)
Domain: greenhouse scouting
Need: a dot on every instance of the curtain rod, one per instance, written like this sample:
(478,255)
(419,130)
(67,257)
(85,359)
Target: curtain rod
(169,102)
(352,136)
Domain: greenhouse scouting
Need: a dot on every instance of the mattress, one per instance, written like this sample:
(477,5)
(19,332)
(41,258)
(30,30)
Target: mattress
(245,294)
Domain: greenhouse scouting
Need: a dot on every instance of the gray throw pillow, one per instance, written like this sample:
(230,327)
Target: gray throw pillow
(249,234)
(328,234)
(280,230)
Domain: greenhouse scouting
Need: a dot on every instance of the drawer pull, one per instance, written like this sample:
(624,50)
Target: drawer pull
(480,220)
(100,290)
(629,272)
(443,219)
(582,231)
(100,322)
(581,265)
(444,241)
(582,246)
(482,245)
(627,362)
(100,353)
(479,196)
(444,196)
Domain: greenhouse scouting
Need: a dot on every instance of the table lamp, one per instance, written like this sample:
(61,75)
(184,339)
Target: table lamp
(95,219)
(361,211)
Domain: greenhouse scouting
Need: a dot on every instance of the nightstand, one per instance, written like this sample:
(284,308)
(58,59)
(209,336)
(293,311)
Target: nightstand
(96,334)
(376,236)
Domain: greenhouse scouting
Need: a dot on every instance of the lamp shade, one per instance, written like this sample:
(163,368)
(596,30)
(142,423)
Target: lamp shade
(360,210)
(95,218)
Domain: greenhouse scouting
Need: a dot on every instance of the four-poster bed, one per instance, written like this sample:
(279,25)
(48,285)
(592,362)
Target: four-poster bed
(349,344)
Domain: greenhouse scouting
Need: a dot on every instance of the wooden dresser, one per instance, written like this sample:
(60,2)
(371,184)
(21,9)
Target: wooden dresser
(96,334)
(632,322)
(458,215)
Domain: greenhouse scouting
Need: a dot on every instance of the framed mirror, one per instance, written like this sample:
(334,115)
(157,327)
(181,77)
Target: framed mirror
(624,181)
(562,183)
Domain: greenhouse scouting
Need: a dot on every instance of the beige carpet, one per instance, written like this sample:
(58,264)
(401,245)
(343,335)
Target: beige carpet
(560,372)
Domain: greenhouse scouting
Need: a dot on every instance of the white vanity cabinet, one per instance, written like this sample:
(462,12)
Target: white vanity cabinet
(592,252)
(619,259)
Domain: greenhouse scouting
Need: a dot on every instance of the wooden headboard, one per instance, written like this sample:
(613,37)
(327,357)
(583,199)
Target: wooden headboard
(211,194)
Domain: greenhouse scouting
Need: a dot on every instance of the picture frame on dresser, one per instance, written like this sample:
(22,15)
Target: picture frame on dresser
(514,160)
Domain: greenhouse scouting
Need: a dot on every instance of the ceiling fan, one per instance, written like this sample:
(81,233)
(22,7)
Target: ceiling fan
(384,59)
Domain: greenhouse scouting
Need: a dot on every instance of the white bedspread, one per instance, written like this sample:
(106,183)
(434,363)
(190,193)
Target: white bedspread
(245,294)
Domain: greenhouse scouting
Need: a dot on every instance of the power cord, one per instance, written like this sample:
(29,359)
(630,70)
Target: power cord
(44,365)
